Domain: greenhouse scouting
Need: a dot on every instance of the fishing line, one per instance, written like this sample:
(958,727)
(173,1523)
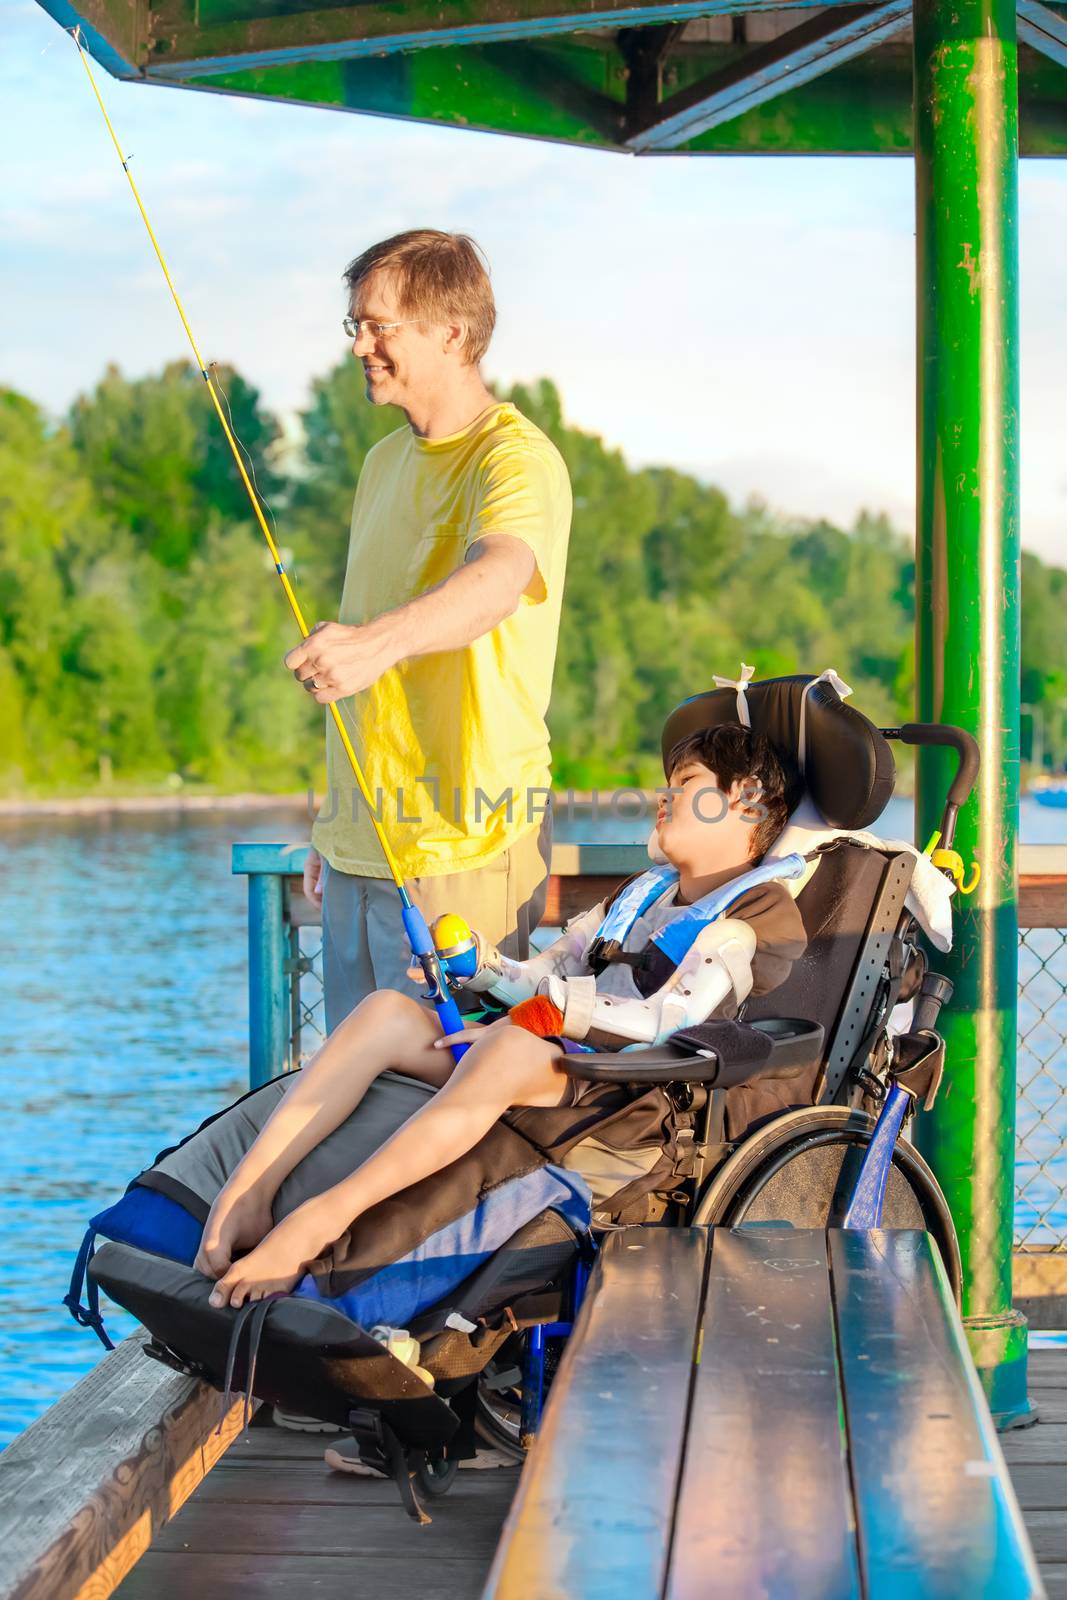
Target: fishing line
(249,462)
(414,922)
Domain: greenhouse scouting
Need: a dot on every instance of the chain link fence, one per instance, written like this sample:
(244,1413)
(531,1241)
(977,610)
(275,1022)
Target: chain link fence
(307,1010)
(1041,1119)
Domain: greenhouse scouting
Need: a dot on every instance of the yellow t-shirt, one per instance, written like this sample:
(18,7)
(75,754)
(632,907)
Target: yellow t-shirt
(443,738)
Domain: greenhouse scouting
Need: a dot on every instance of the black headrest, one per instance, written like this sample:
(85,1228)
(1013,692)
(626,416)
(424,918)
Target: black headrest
(848,766)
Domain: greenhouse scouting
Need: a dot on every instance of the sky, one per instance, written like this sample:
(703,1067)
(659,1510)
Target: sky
(747,319)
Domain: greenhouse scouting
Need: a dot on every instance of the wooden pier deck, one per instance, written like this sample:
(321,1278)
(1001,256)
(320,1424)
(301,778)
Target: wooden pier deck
(1037,1458)
(270,1521)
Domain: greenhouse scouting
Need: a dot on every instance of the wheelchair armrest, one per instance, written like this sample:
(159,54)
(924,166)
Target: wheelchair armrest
(719,1054)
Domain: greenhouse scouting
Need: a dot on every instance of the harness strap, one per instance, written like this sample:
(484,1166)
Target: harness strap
(677,937)
(253,1316)
(88,1315)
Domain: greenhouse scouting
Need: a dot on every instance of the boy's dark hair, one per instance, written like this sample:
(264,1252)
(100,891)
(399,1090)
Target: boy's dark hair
(734,753)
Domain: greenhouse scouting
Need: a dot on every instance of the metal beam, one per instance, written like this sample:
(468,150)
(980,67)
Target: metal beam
(764,73)
(1043,30)
(180,48)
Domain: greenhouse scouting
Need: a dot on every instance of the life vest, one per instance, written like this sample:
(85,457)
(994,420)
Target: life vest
(661,956)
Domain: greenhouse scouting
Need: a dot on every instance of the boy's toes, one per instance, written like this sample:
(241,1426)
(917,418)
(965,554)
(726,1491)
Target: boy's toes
(223,1294)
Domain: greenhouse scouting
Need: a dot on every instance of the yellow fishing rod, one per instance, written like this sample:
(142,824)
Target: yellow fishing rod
(422,945)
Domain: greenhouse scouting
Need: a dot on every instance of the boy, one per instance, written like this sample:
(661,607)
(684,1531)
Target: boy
(727,803)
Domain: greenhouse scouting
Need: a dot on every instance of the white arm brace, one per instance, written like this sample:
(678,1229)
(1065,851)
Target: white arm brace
(719,963)
(511,981)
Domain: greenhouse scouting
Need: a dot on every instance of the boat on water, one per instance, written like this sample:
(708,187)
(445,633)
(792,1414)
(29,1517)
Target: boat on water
(1053,793)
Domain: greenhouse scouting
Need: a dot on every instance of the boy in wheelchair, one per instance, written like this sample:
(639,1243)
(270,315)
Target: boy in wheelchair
(624,974)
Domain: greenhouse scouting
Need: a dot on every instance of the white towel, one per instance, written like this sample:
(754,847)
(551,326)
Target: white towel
(930,896)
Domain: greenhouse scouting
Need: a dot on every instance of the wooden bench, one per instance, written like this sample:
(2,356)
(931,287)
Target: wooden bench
(766,1412)
(88,1485)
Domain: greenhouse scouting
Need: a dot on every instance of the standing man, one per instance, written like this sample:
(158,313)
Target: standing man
(445,644)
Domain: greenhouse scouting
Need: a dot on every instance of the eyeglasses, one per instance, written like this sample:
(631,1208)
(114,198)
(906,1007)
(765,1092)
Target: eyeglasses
(354,325)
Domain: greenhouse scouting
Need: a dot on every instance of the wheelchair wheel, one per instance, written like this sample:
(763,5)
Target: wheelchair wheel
(801,1168)
(498,1408)
(435,1477)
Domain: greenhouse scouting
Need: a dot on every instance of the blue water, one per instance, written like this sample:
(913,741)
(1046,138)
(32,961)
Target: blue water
(124,1001)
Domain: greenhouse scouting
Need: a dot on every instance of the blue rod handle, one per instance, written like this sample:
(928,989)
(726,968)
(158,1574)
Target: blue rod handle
(422,948)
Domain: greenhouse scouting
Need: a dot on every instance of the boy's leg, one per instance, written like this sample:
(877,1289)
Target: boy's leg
(507,1067)
(385,1030)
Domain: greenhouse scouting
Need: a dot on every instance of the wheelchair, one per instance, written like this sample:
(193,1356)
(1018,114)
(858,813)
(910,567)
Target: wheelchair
(791,1114)
(788,1140)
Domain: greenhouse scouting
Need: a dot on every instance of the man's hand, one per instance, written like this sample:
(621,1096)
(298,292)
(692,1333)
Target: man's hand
(335,661)
(313,876)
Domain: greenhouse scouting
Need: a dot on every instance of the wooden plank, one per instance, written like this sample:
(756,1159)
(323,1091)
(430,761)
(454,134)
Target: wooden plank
(372,1531)
(88,1485)
(1051,1403)
(307,1483)
(1048,1366)
(932,1491)
(1042,900)
(592,1516)
(315,1575)
(1048,1530)
(1044,1443)
(568,897)
(765,1505)
(769,70)
(1039,1488)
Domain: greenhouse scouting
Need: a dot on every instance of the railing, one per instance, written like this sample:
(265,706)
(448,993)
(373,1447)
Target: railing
(286,1022)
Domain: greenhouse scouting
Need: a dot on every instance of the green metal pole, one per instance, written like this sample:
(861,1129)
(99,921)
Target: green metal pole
(268,985)
(967,625)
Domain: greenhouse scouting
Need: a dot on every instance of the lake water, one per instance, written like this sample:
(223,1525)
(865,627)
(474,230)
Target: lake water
(125,1013)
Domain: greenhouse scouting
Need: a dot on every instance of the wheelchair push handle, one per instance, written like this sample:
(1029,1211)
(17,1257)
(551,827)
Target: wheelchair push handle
(969,761)
(966,748)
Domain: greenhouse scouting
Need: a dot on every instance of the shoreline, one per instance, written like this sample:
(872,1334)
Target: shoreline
(101,805)
(97,805)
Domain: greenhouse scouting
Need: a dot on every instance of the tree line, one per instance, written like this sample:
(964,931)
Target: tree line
(141,631)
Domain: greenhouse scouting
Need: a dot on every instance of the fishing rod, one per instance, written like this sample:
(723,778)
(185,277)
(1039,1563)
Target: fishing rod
(422,945)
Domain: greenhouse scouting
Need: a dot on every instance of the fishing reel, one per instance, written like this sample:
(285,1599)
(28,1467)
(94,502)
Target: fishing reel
(457,949)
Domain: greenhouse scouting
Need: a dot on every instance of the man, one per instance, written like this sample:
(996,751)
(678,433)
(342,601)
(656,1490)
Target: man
(443,652)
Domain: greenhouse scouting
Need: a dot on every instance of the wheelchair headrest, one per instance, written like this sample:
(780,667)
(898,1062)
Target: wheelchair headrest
(845,764)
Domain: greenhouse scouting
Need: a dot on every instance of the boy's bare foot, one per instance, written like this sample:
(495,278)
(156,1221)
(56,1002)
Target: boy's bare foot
(234,1223)
(278,1263)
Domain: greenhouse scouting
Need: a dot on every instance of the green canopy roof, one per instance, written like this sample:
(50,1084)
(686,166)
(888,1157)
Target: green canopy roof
(678,77)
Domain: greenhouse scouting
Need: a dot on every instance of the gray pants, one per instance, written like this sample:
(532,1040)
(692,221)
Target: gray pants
(364,946)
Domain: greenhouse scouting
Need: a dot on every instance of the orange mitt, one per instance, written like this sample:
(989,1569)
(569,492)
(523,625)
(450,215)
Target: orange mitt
(537,1015)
